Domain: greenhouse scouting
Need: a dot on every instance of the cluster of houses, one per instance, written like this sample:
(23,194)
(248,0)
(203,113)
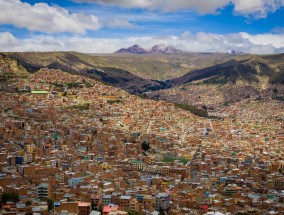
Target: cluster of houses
(71,145)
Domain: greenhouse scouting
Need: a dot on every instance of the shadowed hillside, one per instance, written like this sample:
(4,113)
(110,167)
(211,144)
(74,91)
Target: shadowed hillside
(229,72)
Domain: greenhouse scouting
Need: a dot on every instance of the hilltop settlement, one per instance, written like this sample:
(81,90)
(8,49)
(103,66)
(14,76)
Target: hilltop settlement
(72,145)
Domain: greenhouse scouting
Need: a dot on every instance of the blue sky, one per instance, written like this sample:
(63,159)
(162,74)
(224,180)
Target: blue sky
(254,26)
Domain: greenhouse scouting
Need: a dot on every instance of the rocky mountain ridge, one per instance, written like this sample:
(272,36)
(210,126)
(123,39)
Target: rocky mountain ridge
(160,49)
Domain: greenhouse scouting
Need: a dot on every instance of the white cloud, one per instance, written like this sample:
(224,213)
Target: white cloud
(253,8)
(276,40)
(7,40)
(118,22)
(199,42)
(201,6)
(257,8)
(278,30)
(44,18)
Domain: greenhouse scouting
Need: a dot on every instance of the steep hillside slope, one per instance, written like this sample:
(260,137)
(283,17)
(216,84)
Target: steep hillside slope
(255,78)
(123,79)
(231,71)
(86,65)
(10,68)
(132,73)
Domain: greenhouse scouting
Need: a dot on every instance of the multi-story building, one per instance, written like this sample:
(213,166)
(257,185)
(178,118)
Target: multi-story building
(163,201)
(43,190)
(84,208)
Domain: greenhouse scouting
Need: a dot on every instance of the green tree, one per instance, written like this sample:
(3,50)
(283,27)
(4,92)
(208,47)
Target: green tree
(162,212)
(94,205)
(10,197)
(275,91)
(133,212)
(28,203)
(145,146)
(49,201)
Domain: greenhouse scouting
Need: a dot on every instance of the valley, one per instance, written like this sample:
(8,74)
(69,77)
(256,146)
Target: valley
(212,81)
(89,131)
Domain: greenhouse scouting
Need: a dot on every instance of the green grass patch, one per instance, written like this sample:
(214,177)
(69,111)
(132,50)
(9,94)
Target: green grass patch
(83,106)
(114,101)
(168,159)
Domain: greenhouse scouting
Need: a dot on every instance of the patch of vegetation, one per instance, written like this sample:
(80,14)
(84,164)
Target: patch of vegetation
(114,101)
(60,85)
(142,96)
(9,197)
(133,212)
(275,91)
(226,103)
(81,107)
(77,84)
(277,77)
(278,98)
(49,201)
(28,203)
(216,80)
(145,146)
(7,110)
(73,84)
(168,159)
(228,72)
(192,109)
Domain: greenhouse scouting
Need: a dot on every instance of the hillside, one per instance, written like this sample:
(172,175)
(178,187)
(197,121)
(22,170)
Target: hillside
(162,66)
(225,84)
(230,71)
(10,68)
(123,79)
(138,74)
(86,65)
(129,72)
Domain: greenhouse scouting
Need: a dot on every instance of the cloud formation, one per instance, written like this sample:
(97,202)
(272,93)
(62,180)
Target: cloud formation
(199,42)
(254,8)
(44,18)
(201,6)
(257,8)
(118,22)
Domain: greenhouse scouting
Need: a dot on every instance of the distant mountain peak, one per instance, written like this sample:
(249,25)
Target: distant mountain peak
(162,48)
(135,49)
(159,48)
(236,52)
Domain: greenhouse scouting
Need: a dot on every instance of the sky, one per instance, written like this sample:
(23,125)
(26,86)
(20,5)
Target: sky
(104,26)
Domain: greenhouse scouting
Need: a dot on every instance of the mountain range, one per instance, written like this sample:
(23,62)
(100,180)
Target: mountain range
(233,77)
(163,49)
(160,49)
